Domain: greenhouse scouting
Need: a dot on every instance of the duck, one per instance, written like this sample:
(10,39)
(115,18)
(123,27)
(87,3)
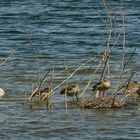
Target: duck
(138,91)
(71,90)
(43,92)
(2,92)
(102,86)
(132,89)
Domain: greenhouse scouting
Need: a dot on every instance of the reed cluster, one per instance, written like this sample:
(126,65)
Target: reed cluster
(107,91)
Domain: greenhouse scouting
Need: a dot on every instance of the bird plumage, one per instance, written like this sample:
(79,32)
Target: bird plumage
(43,92)
(138,91)
(101,87)
(71,90)
(131,89)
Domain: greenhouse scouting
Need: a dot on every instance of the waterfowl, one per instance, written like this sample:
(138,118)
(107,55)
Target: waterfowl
(2,92)
(102,86)
(138,91)
(132,89)
(43,92)
(71,90)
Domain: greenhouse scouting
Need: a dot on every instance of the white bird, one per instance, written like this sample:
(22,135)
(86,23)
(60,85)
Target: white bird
(2,92)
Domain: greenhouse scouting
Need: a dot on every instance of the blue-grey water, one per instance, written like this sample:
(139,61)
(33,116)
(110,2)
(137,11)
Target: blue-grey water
(47,34)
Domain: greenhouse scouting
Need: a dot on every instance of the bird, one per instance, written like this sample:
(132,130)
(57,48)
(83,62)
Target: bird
(102,86)
(132,89)
(2,92)
(71,90)
(138,91)
(42,92)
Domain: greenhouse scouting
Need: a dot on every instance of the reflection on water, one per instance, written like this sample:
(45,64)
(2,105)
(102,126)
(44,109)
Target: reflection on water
(58,31)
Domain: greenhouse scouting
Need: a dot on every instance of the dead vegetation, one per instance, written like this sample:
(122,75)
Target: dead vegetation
(101,103)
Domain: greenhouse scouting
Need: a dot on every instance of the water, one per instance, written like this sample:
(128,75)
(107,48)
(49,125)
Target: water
(57,31)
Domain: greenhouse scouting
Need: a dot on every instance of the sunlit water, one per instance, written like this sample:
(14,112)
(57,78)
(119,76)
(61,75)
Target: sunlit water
(62,31)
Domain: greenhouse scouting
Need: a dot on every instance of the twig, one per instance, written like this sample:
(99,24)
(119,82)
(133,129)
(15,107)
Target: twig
(36,57)
(49,98)
(5,60)
(98,15)
(66,69)
(107,51)
(101,61)
(105,65)
(123,58)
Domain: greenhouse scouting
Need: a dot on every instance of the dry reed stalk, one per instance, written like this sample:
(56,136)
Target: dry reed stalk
(105,22)
(5,60)
(107,50)
(123,58)
(50,96)
(97,13)
(67,73)
(92,77)
(108,47)
(37,70)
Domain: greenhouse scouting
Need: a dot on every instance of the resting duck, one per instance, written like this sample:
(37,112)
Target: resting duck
(102,86)
(138,91)
(2,92)
(42,92)
(132,89)
(71,90)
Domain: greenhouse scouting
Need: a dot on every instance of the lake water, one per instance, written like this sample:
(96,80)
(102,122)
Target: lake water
(61,32)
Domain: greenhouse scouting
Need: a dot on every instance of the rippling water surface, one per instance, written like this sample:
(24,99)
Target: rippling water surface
(57,32)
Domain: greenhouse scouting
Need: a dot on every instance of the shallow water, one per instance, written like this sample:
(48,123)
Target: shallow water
(57,31)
